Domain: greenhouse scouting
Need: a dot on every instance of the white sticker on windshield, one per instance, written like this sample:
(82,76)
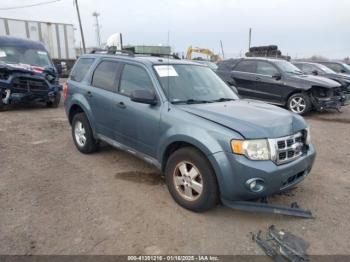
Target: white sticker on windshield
(2,53)
(41,53)
(166,70)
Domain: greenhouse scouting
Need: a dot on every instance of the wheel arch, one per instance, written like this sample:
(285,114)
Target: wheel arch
(78,107)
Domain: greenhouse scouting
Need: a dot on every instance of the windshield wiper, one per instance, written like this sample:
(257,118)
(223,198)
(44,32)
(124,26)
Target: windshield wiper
(223,99)
(190,101)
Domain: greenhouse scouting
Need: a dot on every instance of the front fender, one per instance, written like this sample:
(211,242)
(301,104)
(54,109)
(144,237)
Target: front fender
(198,137)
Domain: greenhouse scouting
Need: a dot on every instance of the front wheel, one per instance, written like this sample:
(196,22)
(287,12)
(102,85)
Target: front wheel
(299,104)
(82,134)
(191,180)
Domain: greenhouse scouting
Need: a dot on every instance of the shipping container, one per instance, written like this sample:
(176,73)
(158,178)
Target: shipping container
(58,38)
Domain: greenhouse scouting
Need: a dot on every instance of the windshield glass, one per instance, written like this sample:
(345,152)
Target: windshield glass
(326,69)
(347,66)
(192,83)
(287,67)
(22,55)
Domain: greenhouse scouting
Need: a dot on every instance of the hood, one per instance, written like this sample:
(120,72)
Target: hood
(315,80)
(250,119)
(339,77)
(28,69)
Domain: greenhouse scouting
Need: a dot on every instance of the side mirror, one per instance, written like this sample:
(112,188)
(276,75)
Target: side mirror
(342,71)
(315,72)
(277,76)
(144,96)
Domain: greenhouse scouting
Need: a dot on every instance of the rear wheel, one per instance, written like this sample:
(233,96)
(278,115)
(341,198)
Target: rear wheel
(82,134)
(299,104)
(191,180)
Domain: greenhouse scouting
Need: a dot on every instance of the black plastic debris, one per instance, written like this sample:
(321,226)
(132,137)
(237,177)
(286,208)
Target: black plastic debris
(282,245)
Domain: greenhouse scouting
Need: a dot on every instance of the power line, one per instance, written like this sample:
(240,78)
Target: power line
(31,5)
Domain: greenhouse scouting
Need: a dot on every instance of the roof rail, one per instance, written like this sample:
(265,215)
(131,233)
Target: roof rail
(111,52)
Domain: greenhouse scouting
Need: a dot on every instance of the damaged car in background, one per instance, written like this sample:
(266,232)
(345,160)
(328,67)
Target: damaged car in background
(316,69)
(280,82)
(27,73)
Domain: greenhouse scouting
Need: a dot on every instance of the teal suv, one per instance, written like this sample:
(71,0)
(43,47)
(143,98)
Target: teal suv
(182,118)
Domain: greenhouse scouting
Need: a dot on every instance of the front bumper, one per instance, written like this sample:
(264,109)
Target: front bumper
(234,170)
(21,93)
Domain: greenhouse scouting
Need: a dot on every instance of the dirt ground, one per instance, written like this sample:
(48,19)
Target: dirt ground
(55,200)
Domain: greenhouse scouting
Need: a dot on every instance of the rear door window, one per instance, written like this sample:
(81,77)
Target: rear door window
(81,68)
(335,67)
(264,68)
(246,66)
(134,78)
(105,76)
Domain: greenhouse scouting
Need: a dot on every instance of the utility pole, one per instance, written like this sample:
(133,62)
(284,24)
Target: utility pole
(98,35)
(222,50)
(250,38)
(81,27)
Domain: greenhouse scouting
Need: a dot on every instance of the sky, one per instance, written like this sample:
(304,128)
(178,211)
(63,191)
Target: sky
(300,28)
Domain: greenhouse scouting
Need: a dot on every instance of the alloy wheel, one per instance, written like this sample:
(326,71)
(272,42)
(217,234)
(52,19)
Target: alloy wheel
(80,133)
(297,105)
(188,181)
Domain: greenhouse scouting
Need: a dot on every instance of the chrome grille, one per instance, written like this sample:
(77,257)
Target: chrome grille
(287,149)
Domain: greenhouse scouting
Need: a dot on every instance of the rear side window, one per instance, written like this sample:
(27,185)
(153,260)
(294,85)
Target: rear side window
(246,66)
(105,75)
(133,78)
(81,68)
(264,68)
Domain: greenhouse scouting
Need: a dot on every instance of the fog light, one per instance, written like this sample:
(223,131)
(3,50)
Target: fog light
(255,185)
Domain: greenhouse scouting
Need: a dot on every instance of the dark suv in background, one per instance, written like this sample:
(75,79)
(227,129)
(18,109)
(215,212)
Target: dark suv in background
(280,82)
(27,73)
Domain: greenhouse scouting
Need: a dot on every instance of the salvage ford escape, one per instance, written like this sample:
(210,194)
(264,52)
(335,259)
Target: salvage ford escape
(181,117)
(27,73)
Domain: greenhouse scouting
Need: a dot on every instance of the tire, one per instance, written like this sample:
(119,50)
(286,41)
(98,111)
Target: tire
(56,102)
(299,103)
(185,190)
(82,134)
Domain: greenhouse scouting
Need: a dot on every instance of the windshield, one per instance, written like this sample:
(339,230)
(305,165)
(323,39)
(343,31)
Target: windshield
(287,67)
(192,83)
(346,66)
(22,55)
(326,69)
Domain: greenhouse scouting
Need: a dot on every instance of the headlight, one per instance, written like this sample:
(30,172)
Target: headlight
(252,149)
(308,136)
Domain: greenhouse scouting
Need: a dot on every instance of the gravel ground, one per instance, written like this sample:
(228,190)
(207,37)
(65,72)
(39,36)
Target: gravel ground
(55,200)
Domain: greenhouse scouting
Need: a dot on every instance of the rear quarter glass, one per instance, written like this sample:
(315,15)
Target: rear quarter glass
(81,68)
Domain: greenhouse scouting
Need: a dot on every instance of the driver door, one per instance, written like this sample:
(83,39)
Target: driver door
(139,125)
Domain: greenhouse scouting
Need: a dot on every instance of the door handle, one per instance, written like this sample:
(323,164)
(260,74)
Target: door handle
(121,105)
(88,93)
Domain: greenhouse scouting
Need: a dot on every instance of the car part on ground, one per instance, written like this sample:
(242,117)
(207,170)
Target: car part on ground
(280,82)
(27,73)
(264,207)
(191,128)
(279,244)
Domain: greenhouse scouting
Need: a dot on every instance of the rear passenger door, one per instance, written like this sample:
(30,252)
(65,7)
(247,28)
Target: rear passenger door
(244,75)
(102,96)
(139,122)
